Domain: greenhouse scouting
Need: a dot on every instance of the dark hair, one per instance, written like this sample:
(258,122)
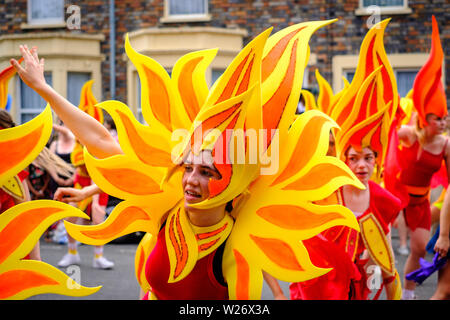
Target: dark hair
(5,119)
(229,206)
(109,120)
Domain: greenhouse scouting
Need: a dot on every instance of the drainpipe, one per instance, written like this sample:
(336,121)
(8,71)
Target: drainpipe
(112,50)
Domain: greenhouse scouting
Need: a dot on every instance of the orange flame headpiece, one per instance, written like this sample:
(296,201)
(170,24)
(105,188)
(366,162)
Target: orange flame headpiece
(428,90)
(367,106)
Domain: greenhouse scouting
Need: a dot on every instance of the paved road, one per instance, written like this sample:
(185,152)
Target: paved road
(120,283)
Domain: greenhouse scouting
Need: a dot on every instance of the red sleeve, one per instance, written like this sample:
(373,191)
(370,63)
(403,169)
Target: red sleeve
(388,206)
(23,175)
(6,201)
(103,199)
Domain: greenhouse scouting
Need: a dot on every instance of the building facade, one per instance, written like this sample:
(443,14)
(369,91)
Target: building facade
(84,39)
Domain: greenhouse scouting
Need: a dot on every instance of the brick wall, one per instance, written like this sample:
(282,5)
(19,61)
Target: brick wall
(404,34)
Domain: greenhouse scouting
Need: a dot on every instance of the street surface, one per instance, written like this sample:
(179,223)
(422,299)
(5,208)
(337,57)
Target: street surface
(120,283)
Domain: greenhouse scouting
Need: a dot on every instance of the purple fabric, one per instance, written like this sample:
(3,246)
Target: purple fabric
(426,269)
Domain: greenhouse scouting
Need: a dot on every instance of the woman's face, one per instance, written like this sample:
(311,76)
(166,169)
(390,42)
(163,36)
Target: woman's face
(361,163)
(436,125)
(198,170)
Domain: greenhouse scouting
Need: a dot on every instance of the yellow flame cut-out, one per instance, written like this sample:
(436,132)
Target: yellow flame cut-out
(22,225)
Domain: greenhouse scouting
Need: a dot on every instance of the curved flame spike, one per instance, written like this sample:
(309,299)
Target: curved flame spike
(143,250)
(285,57)
(369,122)
(5,75)
(308,216)
(407,106)
(326,97)
(299,161)
(158,96)
(428,90)
(88,102)
(240,76)
(313,125)
(22,225)
(310,101)
(20,228)
(188,76)
(139,141)
(20,145)
(124,177)
(88,105)
(372,55)
(29,278)
(127,217)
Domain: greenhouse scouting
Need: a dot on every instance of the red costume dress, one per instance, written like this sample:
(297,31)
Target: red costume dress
(81,180)
(342,282)
(201,283)
(418,167)
(6,200)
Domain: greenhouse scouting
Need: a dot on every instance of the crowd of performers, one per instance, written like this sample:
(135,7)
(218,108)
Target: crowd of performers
(216,228)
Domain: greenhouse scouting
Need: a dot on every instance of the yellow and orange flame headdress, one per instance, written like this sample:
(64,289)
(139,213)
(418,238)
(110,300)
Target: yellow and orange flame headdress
(368,105)
(87,104)
(259,90)
(5,75)
(428,90)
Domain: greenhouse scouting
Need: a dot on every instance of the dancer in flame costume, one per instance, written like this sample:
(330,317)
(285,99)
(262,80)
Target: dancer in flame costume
(365,110)
(214,223)
(422,152)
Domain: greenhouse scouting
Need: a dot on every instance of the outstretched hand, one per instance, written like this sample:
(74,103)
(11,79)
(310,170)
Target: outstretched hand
(33,71)
(69,195)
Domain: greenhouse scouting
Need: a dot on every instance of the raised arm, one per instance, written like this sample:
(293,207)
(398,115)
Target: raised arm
(87,130)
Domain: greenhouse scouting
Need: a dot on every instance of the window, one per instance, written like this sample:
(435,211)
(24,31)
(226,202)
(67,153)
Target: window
(140,117)
(31,104)
(405,81)
(371,7)
(45,11)
(215,74)
(349,75)
(75,82)
(383,3)
(186,10)
(187,7)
